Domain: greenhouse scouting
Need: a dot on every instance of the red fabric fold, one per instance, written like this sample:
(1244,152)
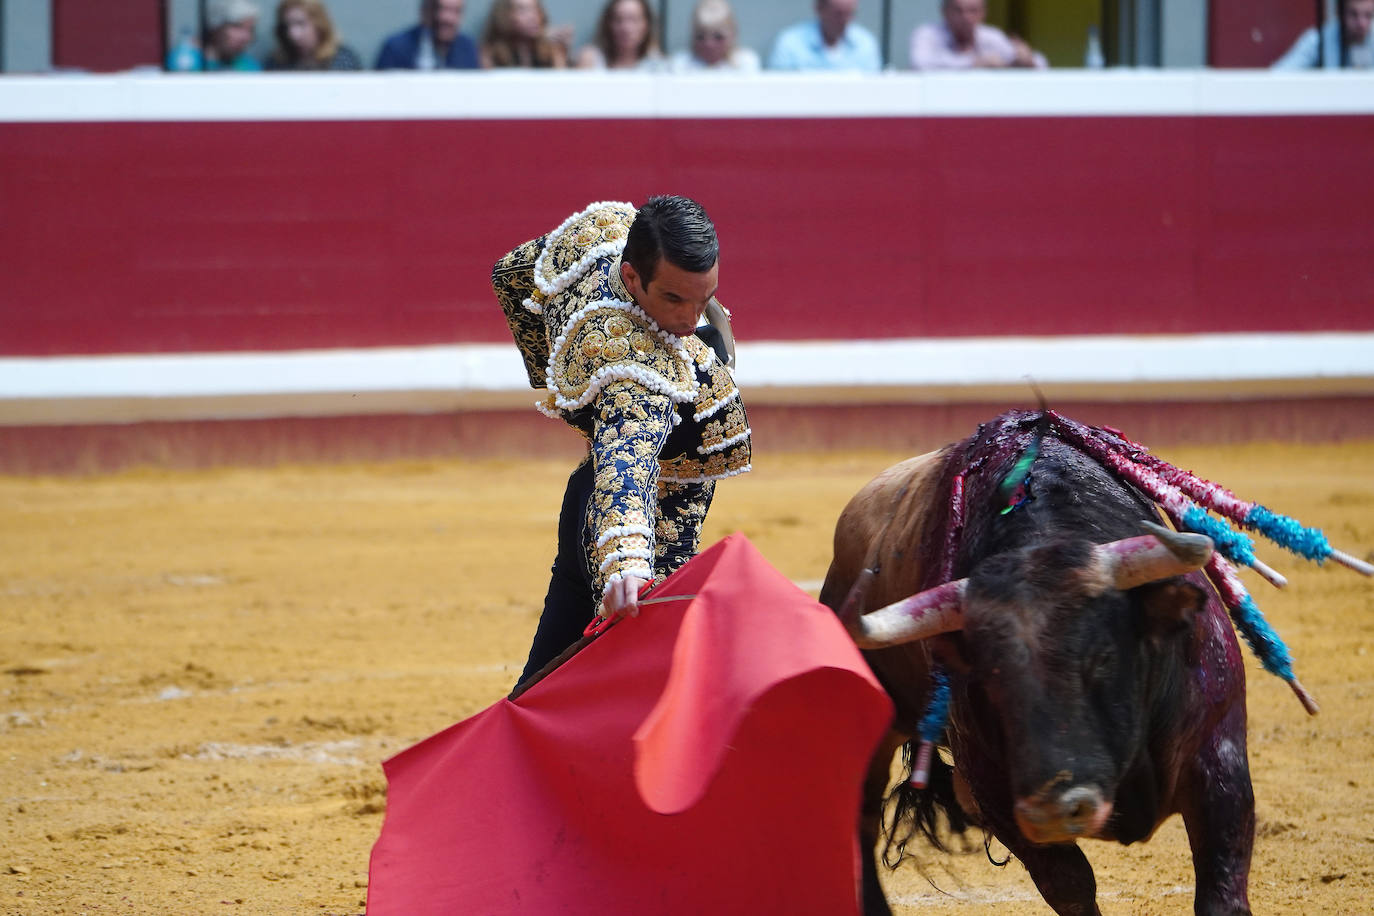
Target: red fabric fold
(746,710)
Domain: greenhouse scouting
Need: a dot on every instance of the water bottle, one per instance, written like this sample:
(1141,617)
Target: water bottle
(185,56)
(1092,58)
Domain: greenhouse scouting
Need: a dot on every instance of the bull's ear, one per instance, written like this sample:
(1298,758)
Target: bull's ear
(1170,606)
(949,650)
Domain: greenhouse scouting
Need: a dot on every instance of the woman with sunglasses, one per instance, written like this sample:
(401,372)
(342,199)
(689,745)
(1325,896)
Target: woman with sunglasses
(714,42)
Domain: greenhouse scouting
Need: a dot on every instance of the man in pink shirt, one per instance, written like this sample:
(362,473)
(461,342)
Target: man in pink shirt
(962,42)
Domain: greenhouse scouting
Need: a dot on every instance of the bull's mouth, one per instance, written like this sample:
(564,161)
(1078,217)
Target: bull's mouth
(1063,817)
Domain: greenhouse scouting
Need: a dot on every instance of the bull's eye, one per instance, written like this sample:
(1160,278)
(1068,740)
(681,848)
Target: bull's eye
(1102,666)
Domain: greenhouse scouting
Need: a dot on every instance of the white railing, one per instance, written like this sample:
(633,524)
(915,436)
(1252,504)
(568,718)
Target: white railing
(577,94)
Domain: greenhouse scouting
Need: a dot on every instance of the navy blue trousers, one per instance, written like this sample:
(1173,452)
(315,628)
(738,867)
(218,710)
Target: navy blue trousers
(571,602)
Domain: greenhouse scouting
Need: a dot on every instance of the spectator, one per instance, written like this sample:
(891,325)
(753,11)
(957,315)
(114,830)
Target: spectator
(518,35)
(230,26)
(714,42)
(625,39)
(831,41)
(307,40)
(964,42)
(1358,15)
(435,44)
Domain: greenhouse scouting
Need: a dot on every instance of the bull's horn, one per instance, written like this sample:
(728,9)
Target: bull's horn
(925,614)
(854,601)
(1151,557)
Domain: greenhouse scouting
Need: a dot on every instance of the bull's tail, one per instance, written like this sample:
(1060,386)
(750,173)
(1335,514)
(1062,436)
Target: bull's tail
(932,812)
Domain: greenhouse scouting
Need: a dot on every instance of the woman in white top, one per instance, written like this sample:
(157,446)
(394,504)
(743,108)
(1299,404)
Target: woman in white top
(625,39)
(714,42)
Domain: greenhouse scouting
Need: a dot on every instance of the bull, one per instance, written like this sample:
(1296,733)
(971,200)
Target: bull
(1096,684)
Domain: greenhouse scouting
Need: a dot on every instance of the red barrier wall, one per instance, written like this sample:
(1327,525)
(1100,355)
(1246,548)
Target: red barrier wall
(102,36)
(913,428)
(152,237)
(1255,33)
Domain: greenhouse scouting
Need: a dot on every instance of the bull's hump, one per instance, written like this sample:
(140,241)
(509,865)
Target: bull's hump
(880,522)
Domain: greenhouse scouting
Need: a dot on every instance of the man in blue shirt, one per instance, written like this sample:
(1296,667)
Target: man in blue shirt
(831,41)
(434,44)
(1359,42)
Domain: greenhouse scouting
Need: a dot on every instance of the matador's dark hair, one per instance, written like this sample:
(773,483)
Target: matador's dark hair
(674,228)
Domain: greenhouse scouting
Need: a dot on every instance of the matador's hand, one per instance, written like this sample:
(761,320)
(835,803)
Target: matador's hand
(622,598)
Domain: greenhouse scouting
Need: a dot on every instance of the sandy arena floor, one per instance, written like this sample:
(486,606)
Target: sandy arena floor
(201,671)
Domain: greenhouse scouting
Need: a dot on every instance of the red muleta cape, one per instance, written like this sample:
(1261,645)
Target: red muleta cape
(704,757)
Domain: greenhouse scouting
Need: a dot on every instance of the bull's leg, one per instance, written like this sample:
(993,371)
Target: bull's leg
(1219,813)
(871,822)
(1062,875)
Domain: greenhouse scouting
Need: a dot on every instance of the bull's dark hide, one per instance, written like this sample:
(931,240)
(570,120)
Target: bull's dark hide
(1076,710)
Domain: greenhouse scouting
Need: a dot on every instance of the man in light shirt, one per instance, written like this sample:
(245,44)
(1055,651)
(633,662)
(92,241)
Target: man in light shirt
(831,41)
(963,41)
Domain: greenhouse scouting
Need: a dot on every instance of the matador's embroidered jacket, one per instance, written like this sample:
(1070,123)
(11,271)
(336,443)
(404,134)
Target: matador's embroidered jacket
(661,413)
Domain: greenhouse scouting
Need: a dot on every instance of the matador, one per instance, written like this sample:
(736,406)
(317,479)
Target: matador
(615,315)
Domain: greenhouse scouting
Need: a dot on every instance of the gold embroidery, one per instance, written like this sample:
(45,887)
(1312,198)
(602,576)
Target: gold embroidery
(597,345)
(513,280)
(619,382)
(616,349)
(593,344)
(601,224)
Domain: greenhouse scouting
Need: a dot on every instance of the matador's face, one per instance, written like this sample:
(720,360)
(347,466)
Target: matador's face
(675,298)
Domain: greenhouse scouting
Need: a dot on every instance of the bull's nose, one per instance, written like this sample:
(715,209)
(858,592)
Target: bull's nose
(1062,817)
(1081,805)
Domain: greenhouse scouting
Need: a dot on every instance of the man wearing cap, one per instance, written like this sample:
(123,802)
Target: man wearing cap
(435,44)
(230,26)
